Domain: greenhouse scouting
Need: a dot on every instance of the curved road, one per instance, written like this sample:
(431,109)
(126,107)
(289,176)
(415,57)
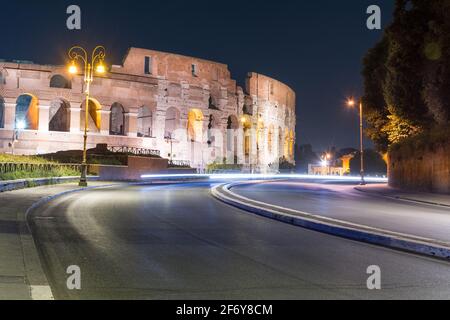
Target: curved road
(177,242)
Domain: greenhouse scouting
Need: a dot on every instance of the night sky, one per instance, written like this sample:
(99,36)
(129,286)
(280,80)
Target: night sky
(316,47)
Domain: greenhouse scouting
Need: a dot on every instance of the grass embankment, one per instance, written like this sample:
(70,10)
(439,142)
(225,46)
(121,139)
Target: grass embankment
(38,173)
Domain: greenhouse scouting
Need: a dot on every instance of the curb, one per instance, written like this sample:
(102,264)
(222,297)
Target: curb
(381,194)
(12,185)
(385,238)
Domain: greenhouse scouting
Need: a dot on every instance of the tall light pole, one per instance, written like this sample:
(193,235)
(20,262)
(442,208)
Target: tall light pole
(351,103)
(95,64)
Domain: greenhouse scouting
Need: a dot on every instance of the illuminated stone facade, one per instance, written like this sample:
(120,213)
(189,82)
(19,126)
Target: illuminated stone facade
(155,100)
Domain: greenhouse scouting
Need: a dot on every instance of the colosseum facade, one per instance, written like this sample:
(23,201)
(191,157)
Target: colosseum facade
(186,108)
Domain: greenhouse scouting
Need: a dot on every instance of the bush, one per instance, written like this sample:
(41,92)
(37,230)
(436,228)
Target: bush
(54,172)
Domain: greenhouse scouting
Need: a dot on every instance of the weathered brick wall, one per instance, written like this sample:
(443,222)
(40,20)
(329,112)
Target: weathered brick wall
(429,172)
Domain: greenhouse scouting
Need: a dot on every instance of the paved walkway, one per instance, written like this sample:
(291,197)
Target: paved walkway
(21,275)
(385,190)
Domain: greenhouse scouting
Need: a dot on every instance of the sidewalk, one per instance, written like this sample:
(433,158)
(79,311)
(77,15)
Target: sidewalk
(21,274)
(421,197)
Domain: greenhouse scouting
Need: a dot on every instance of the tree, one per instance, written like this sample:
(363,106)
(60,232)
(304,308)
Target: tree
(407,74)
(305,156)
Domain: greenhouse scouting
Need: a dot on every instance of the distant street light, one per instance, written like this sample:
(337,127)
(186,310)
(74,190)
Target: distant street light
(96,64)
(351,103)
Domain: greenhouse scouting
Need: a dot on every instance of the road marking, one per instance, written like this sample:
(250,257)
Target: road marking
(41,293)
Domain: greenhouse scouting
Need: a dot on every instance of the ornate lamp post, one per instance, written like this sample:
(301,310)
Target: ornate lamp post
(95,64)
(351,103)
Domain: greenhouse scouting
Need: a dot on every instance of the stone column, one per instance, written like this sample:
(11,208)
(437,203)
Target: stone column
(105,122)
(44,118)
(75,120)
(131,124)
(10,116)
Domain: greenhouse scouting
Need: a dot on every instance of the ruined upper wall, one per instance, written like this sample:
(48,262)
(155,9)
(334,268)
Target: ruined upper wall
(176,68)
(269,89)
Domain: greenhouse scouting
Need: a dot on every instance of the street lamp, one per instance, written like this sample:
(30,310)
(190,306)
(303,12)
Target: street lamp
(95,65)
(351,103)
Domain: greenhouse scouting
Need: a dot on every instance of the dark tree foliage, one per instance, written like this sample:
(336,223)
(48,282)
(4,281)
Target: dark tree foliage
(305,156)
(407,74)
(374,165)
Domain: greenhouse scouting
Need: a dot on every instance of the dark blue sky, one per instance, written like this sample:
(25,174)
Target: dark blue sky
(316,47)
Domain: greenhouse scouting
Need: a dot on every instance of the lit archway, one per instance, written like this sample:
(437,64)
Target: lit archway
(117,120)
(94,118)
(246,126)
(27,112)
(291,144)
(59,116)
(195,125)
(59,81)
(270,139)
(286,143)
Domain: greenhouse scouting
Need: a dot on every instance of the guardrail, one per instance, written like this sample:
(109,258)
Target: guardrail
(135,151)
(7,167)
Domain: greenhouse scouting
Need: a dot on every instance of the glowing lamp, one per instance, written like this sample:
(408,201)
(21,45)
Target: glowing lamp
(73,68)
(20,125)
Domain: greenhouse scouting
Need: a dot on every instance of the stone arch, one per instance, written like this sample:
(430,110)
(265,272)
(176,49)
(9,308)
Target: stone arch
(172,122)
(145,121)
(2,112)
(117,120)
(246,126)
(287,117)
(59,81)
(27,112)
(94,118)
(260,134)
(233,123)
(195,125)
(59,116)
(232,137)
(286,143)
(280,142)
(270,136)
(213,131)
(291,143)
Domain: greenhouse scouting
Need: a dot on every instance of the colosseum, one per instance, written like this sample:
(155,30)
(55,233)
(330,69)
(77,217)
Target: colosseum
(186,109)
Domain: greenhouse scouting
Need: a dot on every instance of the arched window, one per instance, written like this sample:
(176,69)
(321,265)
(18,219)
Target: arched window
(286,143)
(117,120)
(58,81)
(212,127)
(59,116)
(94,119)
(145,122)
(172,122)
(2,113)
(27,114)
(195,125)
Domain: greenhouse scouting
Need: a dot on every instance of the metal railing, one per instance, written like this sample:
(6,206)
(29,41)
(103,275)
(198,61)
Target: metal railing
(179,164)
(7,167)
(135,151)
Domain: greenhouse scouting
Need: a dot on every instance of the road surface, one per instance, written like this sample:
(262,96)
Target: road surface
(341,201)
(177,242)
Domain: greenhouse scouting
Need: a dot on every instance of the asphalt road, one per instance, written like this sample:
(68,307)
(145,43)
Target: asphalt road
(177,242)
(341,201)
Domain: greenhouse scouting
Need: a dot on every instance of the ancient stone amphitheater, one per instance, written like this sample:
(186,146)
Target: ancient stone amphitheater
(186,109)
